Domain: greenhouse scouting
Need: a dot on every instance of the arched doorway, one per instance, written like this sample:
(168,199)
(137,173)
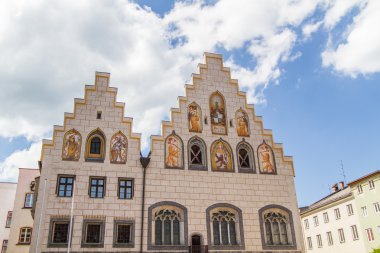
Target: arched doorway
(197,244)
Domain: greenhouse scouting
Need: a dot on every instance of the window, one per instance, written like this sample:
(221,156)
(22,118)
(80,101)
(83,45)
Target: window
(337,213)
(319,240)
(99,115)
(25,235)
(277,227)
(354,230)
(197,154)
(371,184)
(364,211)
(326,217)
(329,238)
(224,228)
(9,219)
(309,243)
(360,189)
(167,226)
(350,210)
(4,246)
(341,235)
(123,233)
(370,234)
(97,187)
(316,222)
(59,232)
(245,157)
(95,148)
(28,200)
(306,221)
(376,207)
(65,186)
(125,188)
(93,233)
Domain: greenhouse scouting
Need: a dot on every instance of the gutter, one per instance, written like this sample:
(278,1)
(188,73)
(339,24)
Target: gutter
(144,162)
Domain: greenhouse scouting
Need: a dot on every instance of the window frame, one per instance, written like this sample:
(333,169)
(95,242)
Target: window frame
(337,214)
(316,221)
(59,176)
(131,243)
(354,232)
(330,240)
(360,189)
(53,221)
(251,155)
(326,218)
(306,223)
(342,238)
(309,243)
(97,186)
(31,200)
(30,237)
(8,221)
(350,210)
(376,207)
(132,187)
(319,241)
(86,222)
(4,246)
(371,184)
(370,236)
(92,157)
(364,211)
(193,141)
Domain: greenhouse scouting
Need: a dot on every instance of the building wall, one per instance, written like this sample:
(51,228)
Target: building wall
(21,215)
(367,199)
(345,222)
(7,193)
(194,190)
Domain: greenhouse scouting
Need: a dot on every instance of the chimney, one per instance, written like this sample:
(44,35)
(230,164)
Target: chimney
(334,188)
(341,185)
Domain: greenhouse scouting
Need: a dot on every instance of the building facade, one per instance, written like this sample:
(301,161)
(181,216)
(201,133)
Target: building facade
(214,179)
(7,193)
(347,220)
(366,192)
(22,221)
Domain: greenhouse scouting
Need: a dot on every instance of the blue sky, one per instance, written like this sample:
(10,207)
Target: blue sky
(310,67)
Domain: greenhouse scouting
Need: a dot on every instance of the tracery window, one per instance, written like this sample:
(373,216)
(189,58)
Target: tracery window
(197,154)
(95,147)
(245,157)
(167,227)
(225,227)
(277,227)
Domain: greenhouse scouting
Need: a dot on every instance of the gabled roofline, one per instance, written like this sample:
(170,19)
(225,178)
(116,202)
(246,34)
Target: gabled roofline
(364,177)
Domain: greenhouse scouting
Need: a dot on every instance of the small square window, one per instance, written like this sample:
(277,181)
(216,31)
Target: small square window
(125,188)
(65,186)
(123,233)
(99,115)
(28,200)
(93,233)
(25,235)
(97,187)
(59,232)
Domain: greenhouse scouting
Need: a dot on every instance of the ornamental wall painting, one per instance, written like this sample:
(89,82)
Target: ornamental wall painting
(221,156)
(242,123)
(119,146)
(266,159)
(173,152)
(218,114)
(194,114)
(72,141)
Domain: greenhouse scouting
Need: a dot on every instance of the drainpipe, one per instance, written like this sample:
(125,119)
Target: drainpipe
(144,162)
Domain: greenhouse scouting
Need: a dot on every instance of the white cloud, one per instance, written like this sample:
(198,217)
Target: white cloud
(360,52)
(26,158)
(337,9)
(309,29)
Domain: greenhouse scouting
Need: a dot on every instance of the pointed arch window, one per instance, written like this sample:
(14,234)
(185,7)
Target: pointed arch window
(95,147)
(245,157)
(277,229)
(197,154)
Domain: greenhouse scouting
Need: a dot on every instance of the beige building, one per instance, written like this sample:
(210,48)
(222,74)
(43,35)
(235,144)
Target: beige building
(7,193)
(214,180)
(22,221)
(347,220)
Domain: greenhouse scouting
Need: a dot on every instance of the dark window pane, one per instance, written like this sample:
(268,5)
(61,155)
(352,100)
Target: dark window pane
(215,225)
(224,228)
(276,233)
(93,233)
(176,240)
(167,232)
(61,232)
(158,232)
(268,230)
(233,233)
(95,145)
(123,233)
(284,233)
(122,183)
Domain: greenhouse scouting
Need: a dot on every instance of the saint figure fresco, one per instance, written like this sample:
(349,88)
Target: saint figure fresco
(173,152)
(221,158)
(195,118)
(266,159)
(218,114)
(119,145)
(242,123)
(72,142)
